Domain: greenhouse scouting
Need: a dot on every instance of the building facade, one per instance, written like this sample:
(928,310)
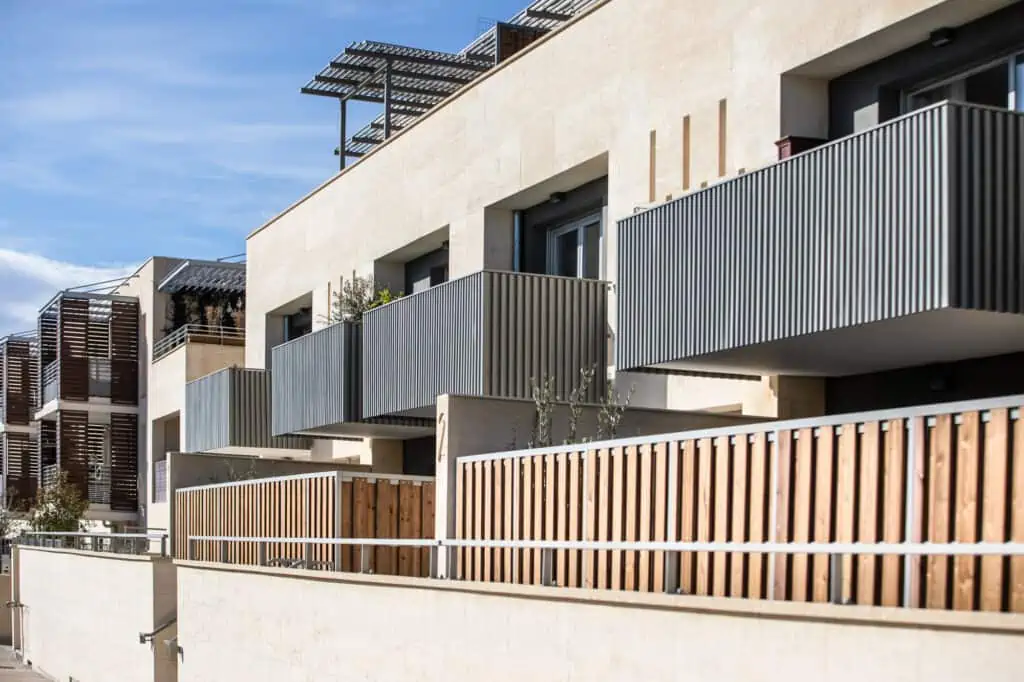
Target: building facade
(754,208)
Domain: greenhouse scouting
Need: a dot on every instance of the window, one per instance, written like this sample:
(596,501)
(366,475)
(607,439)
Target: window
(993,85)
(298,324)
(574,250)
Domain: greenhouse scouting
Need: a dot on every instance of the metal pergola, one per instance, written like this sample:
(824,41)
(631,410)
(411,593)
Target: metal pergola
(411,81)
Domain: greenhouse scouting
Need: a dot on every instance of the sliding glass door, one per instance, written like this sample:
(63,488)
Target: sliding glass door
(574,249)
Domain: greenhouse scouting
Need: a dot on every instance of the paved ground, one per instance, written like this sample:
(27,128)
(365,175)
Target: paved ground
(12,671)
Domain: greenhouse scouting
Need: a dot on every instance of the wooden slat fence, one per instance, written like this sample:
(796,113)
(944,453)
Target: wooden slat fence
(943,476)
(320,505)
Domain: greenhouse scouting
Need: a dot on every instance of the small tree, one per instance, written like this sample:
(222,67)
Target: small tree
(59,508)
(544,403)
(612,409)
(356,296)
(7,514)
(577,397)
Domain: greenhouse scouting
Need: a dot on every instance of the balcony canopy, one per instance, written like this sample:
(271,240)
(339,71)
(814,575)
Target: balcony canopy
(409,81)
(201,276)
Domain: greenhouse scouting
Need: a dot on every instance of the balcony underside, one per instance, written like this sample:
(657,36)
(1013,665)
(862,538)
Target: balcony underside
(401,428)
(931,337)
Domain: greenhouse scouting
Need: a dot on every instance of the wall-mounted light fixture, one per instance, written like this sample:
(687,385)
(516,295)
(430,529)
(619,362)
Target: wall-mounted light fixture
(556,197)
(941,37)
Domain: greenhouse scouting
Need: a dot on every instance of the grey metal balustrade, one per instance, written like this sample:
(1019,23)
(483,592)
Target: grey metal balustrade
(486,334)
(918,214)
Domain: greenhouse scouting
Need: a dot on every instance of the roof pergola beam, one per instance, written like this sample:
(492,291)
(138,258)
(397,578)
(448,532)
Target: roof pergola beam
(415,108)
(404,73)
(360,85)
(379,125)
(415,59)
(359,139)
(546,15)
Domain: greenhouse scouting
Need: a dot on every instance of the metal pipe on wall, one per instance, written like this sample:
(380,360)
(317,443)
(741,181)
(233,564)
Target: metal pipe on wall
(517,241)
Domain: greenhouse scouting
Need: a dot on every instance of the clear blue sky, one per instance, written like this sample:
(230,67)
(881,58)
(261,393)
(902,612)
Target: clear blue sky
(137,127)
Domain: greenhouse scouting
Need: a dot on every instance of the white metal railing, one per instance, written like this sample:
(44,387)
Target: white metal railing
(447,550)
(204,333)
(117,543)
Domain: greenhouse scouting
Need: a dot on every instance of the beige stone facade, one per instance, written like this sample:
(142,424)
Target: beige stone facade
(609,95)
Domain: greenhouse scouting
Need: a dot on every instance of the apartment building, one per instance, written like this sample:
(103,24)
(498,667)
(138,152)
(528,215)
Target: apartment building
(756,208)
(19,432)
(99,390)
(88,411)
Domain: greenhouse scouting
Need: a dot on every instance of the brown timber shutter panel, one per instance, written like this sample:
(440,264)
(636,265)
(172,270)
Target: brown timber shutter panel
(73,447)
(124,462)
(73,332)
(47,339)
(22,477)
(124,352)
(20,367)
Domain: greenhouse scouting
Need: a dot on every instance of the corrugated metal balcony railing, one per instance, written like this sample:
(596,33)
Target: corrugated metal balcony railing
(317,379)
(486,334)
(919,214)
(231,409)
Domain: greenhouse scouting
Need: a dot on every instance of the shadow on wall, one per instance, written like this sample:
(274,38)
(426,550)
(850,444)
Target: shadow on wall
(474,425)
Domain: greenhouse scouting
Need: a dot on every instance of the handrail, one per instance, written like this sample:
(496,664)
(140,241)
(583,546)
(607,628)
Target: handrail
(859,548)
(184,334)
(836,552)
(71,534)
(1013,403)
(130,543)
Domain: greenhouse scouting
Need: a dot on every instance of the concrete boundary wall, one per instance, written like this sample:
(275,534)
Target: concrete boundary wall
(82,614)
(282,625)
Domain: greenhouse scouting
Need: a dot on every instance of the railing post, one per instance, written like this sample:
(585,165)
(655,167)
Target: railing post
(673,583)
(224,551)
(190,549)
(163,545)
(773,512)
(307,554)
(909,515)
(672,560)
(835,576)
(261,554)
(364,559)
(434,552)
(547,567)
(338,549)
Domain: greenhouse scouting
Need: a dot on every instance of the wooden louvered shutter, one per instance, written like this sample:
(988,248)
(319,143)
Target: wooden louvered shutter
(124,352)
(124,462)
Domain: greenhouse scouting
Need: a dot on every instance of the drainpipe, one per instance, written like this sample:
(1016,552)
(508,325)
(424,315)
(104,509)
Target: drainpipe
(517,241)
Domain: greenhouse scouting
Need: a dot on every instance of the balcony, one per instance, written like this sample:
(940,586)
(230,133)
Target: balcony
(229,410)
(317,380)
(487,334)
(88,348)
(200,334)
(899,245)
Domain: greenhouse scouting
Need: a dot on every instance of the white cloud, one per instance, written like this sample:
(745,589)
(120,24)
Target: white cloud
(29,280)
(56,273)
